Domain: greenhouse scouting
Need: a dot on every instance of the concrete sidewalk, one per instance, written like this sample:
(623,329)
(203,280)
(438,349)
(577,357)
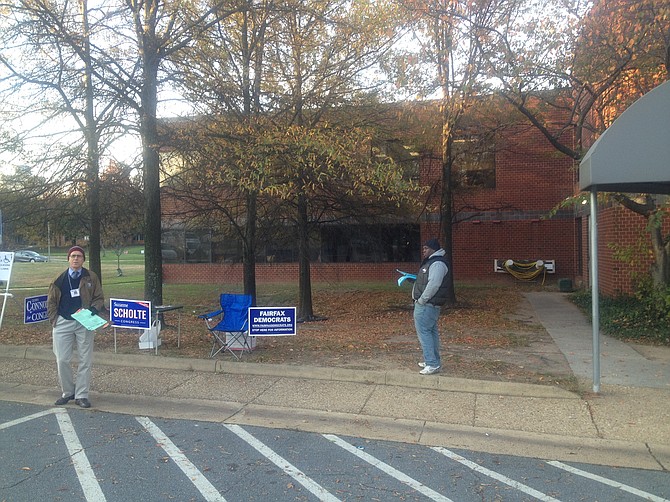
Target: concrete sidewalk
(620,363)
(624,425)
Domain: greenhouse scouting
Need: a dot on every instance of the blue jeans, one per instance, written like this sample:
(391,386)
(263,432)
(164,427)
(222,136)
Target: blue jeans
(425,322)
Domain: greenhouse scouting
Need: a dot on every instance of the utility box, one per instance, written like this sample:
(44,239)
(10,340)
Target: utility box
(565,285)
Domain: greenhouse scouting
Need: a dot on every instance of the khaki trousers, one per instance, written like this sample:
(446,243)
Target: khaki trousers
(65,335)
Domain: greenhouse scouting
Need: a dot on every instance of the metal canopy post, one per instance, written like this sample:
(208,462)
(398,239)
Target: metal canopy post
(638,137)
(595,297)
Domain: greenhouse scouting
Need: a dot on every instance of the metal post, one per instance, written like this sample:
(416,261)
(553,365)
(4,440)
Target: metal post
(5,275)
(595,306)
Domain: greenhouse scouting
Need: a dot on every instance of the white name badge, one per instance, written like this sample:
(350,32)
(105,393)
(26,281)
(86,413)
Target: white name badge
(74,293)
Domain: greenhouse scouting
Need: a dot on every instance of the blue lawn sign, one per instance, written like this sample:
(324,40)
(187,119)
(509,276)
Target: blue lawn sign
(130,314)
(272,321)
(35,309)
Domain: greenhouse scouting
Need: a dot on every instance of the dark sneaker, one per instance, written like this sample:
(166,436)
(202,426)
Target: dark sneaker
(83,402)
(63,400)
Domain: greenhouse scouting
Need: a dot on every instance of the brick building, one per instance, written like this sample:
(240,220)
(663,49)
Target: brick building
(510,219)
(501,213)
(502,207)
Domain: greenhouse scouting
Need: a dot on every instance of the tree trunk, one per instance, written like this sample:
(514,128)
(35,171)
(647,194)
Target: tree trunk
(153,262)
(660,245)
(305,308)
(446,206)
(660,270)
(249,248)
(93,152)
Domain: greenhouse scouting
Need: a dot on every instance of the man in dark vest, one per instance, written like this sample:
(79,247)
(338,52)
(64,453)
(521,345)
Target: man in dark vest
(429,294)
(76,288)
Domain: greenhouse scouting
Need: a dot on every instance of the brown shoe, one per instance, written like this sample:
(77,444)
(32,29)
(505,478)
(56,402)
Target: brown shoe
(83,402)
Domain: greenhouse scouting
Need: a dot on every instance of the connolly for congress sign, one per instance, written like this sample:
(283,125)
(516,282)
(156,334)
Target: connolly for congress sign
(35,309)
(130,314)
(271,321)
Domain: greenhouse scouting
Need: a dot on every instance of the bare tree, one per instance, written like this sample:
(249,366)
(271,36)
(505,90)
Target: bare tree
(571,70)
(160,32)
(224,77)
(322,52)
(49,55)
(454,37)
(273,75)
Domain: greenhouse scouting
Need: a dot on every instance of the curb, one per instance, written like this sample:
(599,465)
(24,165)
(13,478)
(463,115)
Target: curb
(394,378)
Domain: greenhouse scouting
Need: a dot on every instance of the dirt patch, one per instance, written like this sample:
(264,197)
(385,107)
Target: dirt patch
(492,334)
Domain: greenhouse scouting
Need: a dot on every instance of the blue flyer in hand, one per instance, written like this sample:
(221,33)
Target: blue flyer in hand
(405,276)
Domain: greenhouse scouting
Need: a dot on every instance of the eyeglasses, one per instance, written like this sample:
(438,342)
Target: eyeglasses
(77,256)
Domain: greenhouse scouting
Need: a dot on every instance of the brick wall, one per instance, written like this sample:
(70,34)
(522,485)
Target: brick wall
(478,244)
(621,229)
(505,222)
(510,220)
(231,273)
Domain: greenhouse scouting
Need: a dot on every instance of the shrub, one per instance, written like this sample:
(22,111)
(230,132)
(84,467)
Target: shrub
(644,316)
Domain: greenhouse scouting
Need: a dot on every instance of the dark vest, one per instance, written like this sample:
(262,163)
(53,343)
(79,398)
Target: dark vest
(69,305)
(441,296)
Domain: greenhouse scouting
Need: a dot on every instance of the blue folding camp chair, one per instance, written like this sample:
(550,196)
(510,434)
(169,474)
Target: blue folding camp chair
(229,326)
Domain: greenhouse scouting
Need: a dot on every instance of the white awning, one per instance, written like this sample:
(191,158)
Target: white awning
(633,154)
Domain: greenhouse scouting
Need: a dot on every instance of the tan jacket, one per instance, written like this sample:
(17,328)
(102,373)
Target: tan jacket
(90,290)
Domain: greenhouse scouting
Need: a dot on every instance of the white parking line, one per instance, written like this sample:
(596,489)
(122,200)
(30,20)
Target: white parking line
(316,489)
(208,491)
(82,467)
(387,469)
(28,418)
(494,475)
(609,482)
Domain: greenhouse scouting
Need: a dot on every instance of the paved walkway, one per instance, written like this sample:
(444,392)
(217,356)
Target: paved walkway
(626,424)
(620,363)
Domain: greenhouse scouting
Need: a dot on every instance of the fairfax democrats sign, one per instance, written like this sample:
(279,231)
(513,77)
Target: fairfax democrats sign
(272,321)
(130,314)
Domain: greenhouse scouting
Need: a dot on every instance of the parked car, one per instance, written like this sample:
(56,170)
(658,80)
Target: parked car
(29,256)
(168,253)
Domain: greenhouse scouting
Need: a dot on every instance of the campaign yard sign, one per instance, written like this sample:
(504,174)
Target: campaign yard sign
(130,314)
(35,309)
(272,321)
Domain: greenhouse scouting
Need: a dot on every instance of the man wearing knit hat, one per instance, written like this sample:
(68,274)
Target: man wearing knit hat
(429,294)
(76,288)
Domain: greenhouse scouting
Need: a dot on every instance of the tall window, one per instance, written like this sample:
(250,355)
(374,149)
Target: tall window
(474,162)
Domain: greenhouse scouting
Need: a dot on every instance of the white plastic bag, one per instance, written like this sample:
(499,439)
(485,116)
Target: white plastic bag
(149,338)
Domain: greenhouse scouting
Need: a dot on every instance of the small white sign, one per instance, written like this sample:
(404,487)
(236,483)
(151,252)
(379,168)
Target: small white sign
(6,262)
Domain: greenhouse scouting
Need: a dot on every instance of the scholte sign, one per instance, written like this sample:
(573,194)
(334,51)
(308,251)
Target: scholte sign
(35,309)
(130,314)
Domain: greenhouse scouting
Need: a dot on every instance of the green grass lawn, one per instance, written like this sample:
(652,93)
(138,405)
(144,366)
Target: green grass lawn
(33,279)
